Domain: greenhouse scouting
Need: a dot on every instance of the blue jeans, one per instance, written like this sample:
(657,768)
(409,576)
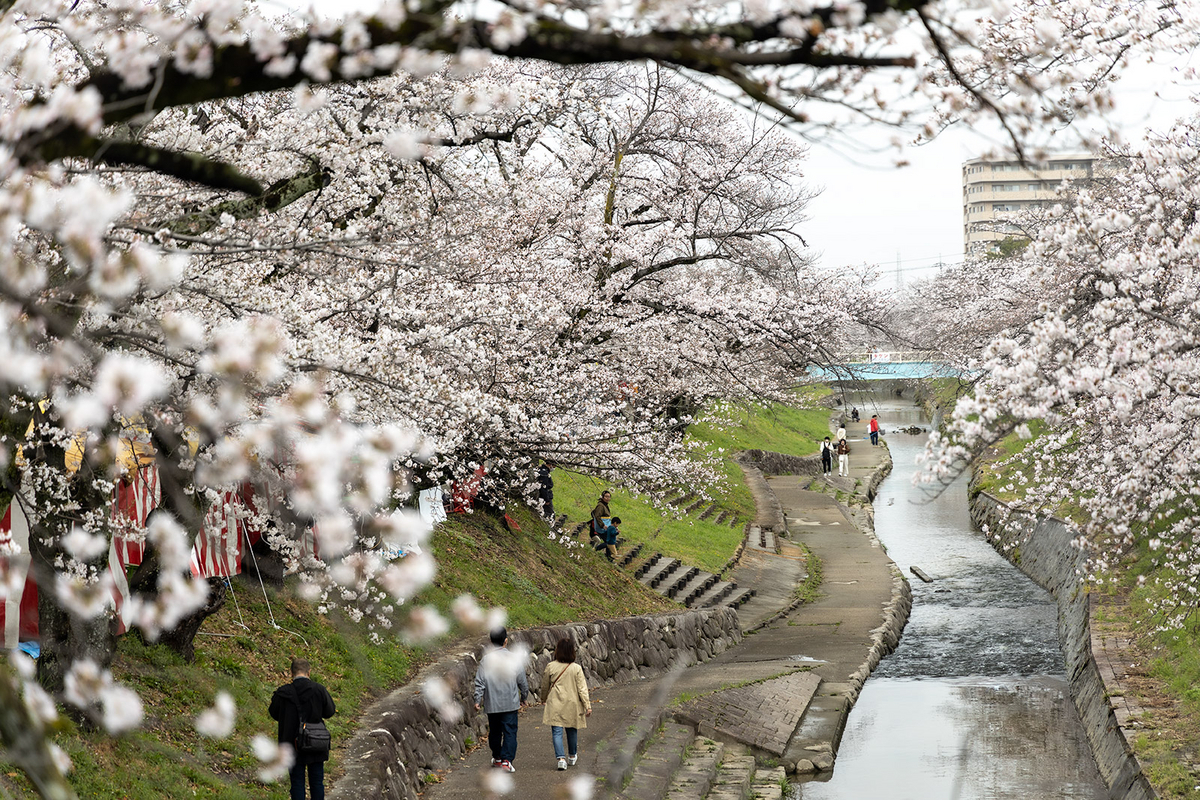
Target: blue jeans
(502,735)
(556,734)
(316,780)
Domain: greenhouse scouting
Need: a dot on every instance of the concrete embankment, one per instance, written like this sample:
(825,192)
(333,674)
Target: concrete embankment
(1040,546)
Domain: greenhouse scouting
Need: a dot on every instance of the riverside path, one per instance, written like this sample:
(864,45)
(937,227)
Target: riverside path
(781,695)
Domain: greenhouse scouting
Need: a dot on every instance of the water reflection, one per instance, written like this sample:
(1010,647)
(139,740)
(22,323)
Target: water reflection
(973,704)
(964,739)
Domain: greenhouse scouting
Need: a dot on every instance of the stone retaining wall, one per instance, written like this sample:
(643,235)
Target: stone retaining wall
(768,512)
(403,739)
(771,463)
(1041,548)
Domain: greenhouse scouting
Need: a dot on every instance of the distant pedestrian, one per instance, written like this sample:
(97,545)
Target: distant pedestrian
(611,532)
(546,492)
(296,703)
(565,693)
(601,515)
(854,415)
(826,457)
(874,428)
(841,433)
(843,451)
(501,690)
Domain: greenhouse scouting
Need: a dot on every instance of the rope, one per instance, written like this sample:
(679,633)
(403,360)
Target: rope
(263,586)
(229,586)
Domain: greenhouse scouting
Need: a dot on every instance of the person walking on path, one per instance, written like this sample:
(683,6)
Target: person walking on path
(302,700)
(841,432)
(500,691)
(601,514)
(565,693)
(826,456)
(874,428)
(843,451)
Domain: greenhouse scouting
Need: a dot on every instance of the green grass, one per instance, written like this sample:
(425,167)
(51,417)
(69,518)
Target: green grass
(810,590)
(721,433)
(540,582)
(697,542)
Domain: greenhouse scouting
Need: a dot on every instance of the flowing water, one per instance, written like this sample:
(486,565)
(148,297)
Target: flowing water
(974,704)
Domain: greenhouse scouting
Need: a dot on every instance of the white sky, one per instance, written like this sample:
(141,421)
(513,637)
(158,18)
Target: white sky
(877,214)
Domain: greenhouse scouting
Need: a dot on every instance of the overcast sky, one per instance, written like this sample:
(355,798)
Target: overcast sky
(878,214)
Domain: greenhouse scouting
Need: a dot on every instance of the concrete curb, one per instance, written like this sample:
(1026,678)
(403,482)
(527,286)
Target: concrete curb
(886,637)
(768,511)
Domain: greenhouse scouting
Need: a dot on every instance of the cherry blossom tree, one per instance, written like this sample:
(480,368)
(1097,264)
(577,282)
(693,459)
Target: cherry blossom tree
(1107,357)
(338,258)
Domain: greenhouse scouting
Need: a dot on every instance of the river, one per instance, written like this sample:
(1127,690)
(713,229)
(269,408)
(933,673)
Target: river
(973,704)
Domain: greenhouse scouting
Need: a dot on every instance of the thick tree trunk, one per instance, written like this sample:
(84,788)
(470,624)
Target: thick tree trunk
(182,638)
(65,637)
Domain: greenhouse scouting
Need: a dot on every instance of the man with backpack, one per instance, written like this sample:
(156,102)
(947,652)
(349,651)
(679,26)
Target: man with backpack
(300,707)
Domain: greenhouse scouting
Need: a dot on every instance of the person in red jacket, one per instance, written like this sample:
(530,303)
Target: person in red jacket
(874,428)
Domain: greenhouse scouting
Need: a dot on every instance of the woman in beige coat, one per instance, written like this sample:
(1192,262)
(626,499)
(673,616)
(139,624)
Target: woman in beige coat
(565,693)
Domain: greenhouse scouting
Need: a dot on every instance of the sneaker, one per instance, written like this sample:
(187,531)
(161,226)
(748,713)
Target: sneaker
(562,763)
(507,766)
(495,762)
(573,759)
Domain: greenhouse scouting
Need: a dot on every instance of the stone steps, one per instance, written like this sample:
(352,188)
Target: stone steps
(715,595)
(681,500)
(768,783)
(659,571)
(695,587)
(631,555)
(661,760)
(679,579)
(738,597)
(676,764)
(646,566)
(698,772)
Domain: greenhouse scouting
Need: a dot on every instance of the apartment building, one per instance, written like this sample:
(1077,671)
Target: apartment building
(995,190)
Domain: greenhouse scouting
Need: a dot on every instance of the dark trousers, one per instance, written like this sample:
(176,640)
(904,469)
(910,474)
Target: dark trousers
(874,437)
(502,735)
(316,780)
(826,462)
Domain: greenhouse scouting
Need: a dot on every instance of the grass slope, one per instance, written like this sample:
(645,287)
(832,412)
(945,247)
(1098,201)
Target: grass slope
(703,543)
(540,582)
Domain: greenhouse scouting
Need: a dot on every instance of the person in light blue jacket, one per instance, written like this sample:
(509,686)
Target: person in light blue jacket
(500,691)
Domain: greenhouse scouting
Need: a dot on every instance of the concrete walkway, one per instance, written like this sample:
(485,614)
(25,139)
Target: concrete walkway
(785,690)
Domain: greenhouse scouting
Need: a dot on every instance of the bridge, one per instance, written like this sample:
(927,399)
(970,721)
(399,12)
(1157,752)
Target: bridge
(882,365)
